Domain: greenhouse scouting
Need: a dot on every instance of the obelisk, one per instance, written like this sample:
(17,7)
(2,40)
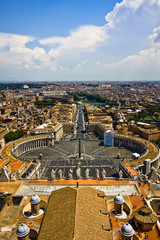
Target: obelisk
(80,148)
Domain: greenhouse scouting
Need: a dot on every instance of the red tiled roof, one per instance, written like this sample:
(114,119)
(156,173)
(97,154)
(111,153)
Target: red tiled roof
(132,171)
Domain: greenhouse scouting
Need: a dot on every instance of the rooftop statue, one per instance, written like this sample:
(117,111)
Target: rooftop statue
(78,172)
(60,173)
(53,174)
(37,174)
(70,174)
(103,174)
(97,173)
(120,174)
(87,173)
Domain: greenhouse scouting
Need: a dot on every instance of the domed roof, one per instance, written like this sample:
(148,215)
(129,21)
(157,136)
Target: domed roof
(145,211)
(119,199)
(35,199)
(22,230)
(145,215)
(127,230)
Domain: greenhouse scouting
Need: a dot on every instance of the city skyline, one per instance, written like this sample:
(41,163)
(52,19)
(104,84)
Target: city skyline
(79,41)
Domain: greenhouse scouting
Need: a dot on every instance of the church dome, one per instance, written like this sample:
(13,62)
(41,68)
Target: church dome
(22,230)
(119,199)
(35,199)
(127,230)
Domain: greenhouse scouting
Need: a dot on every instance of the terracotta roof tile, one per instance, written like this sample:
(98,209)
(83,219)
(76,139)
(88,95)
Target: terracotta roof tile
(75,213)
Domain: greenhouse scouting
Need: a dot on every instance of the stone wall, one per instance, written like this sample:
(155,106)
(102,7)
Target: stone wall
(69,128)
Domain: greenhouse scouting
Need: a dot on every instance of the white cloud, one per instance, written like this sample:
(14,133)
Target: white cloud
(18,55)
(53,53)
(154,38)
(156,2)
(143,66)
(27,57)
(144,57)
(125,8)
(62,68)
(84,38)
(14,40)
(85,49)
(122,10)
(53,68)
(78,66)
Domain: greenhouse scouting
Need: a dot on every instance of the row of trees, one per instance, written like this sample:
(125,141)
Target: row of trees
(14,135)
(93,98)
(151,112)
(15,86)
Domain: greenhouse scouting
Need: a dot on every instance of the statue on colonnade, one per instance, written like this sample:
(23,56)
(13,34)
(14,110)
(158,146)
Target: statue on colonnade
(103,174)
(53,174)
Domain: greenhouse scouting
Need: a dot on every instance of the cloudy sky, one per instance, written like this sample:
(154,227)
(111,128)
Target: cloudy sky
(78,40)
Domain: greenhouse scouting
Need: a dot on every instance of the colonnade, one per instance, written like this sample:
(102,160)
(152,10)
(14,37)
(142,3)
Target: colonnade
(130,144)
(137,146)
(32,144)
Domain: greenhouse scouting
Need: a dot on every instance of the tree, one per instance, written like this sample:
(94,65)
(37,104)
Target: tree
(76,97)
(13,135)
(9,136)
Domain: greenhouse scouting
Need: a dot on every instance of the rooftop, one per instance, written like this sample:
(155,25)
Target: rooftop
(85,208)
(76,214)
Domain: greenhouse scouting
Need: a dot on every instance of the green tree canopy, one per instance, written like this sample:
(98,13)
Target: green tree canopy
(13,135)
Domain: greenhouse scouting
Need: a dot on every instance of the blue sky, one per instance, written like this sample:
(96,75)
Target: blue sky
(78,40)
(41,18)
